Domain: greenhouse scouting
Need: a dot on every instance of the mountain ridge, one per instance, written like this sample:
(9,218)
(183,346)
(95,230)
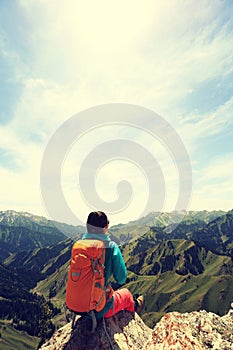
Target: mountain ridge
(126,232)
(15,218)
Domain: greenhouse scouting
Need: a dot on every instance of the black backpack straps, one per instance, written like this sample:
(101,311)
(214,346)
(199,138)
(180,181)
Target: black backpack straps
(94,321)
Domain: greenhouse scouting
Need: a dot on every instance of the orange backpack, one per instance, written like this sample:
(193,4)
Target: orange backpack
(85,289)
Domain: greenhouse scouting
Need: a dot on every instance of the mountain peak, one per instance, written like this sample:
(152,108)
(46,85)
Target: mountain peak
(198,329)
(12,217)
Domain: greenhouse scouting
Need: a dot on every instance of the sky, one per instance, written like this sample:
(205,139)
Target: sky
(59,59)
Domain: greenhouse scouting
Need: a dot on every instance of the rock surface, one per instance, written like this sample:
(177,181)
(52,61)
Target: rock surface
(195,330)
(190,331)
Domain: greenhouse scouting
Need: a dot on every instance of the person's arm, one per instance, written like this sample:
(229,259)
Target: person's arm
(118,266)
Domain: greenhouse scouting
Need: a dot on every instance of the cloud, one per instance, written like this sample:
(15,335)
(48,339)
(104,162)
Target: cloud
(197,126)
(69,58)
(213,184)
(152,54)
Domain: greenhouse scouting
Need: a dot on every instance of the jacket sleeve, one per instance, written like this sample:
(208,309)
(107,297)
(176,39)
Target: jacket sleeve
(118,266)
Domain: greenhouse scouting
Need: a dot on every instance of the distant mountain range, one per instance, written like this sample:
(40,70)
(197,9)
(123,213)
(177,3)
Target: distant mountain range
(37,223)
(181,267)
(135,229)
(22,231)
(217,235)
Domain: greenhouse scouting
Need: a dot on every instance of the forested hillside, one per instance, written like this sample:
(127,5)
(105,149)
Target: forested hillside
(27,311)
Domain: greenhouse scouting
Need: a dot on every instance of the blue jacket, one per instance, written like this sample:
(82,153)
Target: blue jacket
(114,265)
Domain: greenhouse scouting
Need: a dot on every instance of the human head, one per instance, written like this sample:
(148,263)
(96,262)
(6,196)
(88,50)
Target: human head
(97,222)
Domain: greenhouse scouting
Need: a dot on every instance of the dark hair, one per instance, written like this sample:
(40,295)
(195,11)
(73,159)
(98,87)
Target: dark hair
(96,222)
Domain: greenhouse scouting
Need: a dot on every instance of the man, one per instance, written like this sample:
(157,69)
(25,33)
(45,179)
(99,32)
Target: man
(122,299)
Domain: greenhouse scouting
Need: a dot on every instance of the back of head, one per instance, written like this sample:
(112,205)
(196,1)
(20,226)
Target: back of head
(96,222)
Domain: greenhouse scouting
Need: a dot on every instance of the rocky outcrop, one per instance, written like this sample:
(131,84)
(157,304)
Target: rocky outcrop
(122,331)
(190,331)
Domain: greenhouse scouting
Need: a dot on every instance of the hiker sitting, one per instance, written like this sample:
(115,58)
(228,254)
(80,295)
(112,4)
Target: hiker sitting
(106,261)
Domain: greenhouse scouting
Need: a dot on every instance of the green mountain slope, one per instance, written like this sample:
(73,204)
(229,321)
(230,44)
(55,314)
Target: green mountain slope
(12,339)
(217,235)
(178,275)
(144,257)
(41,262)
